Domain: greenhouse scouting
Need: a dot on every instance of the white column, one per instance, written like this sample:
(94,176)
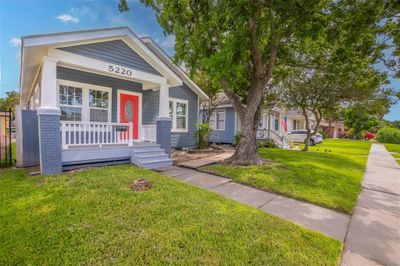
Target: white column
(164,101)
(48,95)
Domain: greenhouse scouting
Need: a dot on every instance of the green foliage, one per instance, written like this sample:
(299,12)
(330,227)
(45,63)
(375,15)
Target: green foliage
(9,101)
(202,133)
(324,136)
(389,135)
(236,140)
(270,143)
(396,124)
(91,217)
(359,120)
(330,179)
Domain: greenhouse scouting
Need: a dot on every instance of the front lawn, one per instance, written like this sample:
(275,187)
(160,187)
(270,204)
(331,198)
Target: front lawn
(329,174)
(394,148)
(92,217)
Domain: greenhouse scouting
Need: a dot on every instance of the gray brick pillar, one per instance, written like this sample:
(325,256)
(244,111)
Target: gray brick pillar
(164,125)
(49,141)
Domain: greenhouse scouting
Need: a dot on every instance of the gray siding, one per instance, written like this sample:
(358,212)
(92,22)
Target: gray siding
(116,52)
(150,100)
(227,135)
(186,139)
(30,141)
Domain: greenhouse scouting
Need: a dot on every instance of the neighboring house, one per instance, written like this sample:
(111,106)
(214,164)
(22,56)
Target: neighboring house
(275,123)
(100,97)
(225,123)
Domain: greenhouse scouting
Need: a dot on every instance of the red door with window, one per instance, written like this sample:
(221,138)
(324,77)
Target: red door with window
(129,111)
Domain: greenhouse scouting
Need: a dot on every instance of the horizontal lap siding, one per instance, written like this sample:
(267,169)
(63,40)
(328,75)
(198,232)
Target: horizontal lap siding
(116,52)
(149,98)
(227,135)
(186,139)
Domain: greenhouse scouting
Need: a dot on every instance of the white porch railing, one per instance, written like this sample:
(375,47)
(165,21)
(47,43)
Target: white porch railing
(76,133)
(149,133)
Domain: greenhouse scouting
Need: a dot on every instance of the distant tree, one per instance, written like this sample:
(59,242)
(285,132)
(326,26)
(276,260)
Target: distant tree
(396,123)
(206,84)
(10,100)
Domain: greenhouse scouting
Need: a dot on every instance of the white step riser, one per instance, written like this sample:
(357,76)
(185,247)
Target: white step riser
(150,157)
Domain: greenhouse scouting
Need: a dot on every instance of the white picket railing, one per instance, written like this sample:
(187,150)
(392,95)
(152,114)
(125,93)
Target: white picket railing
(149,133)
(76,133)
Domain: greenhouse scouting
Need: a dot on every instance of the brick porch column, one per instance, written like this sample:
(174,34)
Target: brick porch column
(164,122)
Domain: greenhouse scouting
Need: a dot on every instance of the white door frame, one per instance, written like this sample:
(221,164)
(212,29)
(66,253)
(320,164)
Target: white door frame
(119,92)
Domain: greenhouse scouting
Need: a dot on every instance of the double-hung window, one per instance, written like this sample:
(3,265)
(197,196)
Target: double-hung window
(98,104)
(84,102)
(70,103)
(178,111)
(217,120)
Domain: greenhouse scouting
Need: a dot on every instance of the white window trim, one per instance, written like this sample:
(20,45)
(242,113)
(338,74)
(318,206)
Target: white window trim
(85,97)
(214,114)
(174,101)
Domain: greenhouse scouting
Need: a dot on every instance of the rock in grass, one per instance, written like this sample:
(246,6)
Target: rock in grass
(141,185)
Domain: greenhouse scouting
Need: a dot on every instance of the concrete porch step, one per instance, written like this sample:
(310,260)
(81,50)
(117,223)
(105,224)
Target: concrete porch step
(150,156)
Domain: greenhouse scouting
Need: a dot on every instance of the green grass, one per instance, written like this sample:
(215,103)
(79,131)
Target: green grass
(394,148)
(92,217)
(329,174)
(13,154)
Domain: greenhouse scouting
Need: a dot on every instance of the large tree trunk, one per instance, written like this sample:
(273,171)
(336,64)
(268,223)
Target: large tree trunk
(246,152)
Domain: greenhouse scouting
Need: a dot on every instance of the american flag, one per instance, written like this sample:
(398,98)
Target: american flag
(283,123)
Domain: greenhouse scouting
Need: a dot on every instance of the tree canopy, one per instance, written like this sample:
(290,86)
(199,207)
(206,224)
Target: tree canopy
(242,45)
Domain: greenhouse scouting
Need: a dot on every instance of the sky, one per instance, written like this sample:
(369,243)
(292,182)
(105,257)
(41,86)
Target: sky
(22,18)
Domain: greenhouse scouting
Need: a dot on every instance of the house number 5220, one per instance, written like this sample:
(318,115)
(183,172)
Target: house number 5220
(120,70)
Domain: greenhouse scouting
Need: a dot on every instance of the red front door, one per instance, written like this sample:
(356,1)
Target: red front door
(129,111)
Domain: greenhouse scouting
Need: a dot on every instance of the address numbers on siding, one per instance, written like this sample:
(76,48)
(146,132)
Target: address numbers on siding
(120,70)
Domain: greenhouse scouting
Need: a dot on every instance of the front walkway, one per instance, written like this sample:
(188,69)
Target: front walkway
(373,237)
(325,221)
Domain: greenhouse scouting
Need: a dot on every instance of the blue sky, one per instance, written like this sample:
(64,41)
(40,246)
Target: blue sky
(21,18)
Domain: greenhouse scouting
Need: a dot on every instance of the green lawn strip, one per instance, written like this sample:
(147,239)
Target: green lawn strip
(92,217)
(328,175)
(392,147)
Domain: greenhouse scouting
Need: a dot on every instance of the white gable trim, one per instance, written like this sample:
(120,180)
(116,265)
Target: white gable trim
(124,33)
(84,62)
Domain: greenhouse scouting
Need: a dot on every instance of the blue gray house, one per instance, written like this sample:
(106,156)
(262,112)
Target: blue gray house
(225,124)
(101,97)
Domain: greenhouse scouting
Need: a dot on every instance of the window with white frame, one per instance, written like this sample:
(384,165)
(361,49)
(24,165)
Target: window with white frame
(84,102)
(70,103)
(98,104)
(178,111)
(217,120)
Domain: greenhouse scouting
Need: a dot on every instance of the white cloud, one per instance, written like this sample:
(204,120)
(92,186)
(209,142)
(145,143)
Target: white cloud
(66,18)
(15,42)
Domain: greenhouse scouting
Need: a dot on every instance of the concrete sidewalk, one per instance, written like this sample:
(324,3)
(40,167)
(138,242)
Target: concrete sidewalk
(325,221)
(373,237)
(196,163)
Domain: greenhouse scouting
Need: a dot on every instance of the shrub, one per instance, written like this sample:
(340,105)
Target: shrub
(236,140)
(389,135)
(323,134)
(270,143)
(202,133)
